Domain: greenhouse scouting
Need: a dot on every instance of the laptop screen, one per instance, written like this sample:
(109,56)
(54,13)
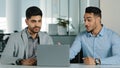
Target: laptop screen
(53,55)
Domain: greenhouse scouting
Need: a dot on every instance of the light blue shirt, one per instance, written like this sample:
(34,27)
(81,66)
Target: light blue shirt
(106,46)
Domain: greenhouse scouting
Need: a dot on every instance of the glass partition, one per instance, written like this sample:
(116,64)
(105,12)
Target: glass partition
(60,11)
(56,13)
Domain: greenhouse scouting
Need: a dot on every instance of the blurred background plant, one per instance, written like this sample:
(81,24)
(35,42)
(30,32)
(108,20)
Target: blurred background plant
(62,22)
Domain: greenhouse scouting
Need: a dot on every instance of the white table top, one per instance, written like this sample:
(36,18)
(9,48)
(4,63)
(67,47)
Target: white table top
(71,66)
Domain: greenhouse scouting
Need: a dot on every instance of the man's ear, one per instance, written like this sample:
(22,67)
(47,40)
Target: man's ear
(99,19)
(26,21)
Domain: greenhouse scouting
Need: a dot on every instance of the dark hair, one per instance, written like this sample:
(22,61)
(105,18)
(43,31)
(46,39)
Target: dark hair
(96,11)
(33,11)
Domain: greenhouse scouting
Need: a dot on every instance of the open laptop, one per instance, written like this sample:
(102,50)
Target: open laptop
(53,55)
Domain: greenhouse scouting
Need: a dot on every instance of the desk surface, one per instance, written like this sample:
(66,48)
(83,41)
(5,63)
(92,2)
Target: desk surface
(71,66)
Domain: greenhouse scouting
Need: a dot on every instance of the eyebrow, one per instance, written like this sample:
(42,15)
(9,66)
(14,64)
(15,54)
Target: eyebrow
(33,20)
(88,17)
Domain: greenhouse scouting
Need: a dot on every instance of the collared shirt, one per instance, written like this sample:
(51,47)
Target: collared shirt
(32,43)
(106,46)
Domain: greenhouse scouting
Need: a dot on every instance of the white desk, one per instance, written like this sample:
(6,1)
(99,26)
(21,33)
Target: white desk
(71,66)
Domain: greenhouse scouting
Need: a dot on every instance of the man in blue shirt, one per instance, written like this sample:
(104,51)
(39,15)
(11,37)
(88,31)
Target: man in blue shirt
(99,44)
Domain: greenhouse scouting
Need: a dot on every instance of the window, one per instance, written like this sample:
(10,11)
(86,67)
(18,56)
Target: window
(3,24)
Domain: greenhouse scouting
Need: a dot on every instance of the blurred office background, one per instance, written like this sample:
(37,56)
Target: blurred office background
(12,17)
(12,13)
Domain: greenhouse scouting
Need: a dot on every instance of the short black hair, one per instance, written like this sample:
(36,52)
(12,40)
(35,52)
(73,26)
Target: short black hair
(33,11)
(95,10)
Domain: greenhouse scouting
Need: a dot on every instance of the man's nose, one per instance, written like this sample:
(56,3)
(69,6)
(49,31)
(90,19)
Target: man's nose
(86,23)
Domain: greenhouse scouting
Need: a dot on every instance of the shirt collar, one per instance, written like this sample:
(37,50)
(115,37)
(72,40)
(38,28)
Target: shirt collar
(28,34)
(101,33)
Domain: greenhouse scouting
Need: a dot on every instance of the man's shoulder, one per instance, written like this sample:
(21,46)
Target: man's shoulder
(15,34)
(47,38)
(110,32)
(82,33)
(43,34)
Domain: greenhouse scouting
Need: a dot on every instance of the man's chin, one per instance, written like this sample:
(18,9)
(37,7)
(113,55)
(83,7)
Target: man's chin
(88,31)
(36,31)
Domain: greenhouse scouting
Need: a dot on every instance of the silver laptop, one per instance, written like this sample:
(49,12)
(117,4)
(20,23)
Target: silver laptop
(53,55)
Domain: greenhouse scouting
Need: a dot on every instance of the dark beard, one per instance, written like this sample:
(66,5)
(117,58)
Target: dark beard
(32,30)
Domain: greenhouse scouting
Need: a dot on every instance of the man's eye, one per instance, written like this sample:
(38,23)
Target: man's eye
(39,21)
(89,20)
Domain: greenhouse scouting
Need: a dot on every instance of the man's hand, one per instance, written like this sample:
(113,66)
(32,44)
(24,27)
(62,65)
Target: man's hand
(89,61)
(30,61)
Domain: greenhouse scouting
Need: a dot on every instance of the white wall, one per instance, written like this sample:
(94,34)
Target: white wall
(111,14)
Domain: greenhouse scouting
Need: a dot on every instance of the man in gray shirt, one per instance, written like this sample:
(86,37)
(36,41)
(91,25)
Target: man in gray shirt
(21,46)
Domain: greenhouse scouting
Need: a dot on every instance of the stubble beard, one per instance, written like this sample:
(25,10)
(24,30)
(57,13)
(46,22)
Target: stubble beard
(34,31)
